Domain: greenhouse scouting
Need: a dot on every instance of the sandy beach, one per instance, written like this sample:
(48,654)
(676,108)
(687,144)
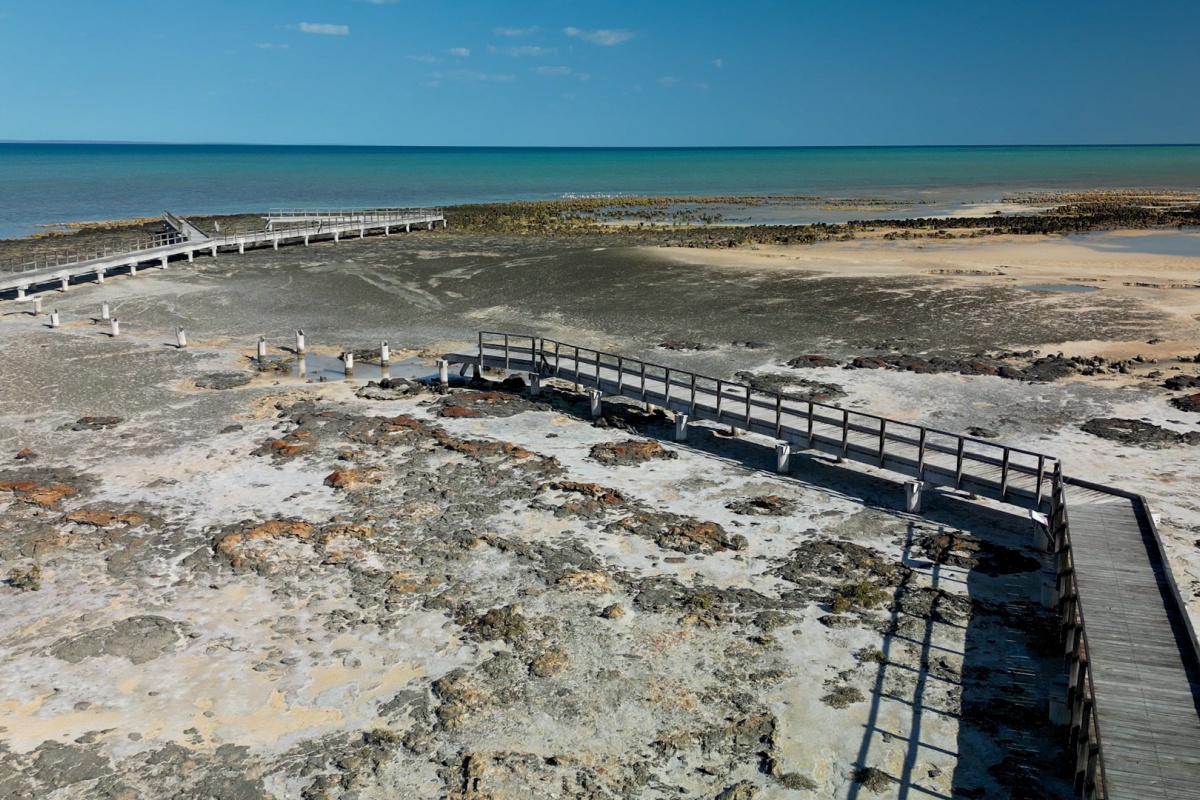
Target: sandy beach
(293,588)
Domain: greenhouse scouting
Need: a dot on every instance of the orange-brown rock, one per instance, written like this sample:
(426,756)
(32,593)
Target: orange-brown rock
(458,412)
(44,495)
(25,455)
(347,478)
(549,663)
(629,452)
(103,519)
(285,448)
(229,545)
(595,491)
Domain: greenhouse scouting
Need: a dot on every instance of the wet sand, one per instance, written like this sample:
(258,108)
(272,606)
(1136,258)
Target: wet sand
(358,654)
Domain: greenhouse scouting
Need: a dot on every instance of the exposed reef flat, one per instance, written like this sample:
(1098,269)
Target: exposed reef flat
(231,583)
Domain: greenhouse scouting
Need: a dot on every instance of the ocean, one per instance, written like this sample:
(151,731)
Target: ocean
(49,183)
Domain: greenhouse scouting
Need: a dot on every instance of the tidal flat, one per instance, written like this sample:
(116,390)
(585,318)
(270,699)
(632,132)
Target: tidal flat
(288,588)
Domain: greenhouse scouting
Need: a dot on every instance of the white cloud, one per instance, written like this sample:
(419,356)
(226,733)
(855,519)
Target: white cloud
(718,63)
(668,80)
(461,52)
(324,28)
(553,70)
(271,46)
(469,75)
(424,59)
(516,31)
(601,35)
(530,50)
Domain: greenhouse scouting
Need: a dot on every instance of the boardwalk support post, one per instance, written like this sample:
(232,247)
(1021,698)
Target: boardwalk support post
(54,318)
(180,337)
(133,270)
(385,354)
(262,349)
(443,373)
(783,458)
(913,491)
(535,384)
(595,396)
(348,361)
(104,310)
(21,292)
(114,327)
(66,282)
(163,263)
(681,427)
(299,343)
(37,306)
(100,275)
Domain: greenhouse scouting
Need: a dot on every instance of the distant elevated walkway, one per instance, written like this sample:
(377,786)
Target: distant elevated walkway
(184,240)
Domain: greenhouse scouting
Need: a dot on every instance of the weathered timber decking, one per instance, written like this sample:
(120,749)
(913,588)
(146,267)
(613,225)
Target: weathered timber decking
(1132,655)
(1144,668)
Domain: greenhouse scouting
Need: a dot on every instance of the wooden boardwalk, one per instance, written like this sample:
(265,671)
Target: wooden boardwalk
(1132,656)
(1136,641)
(185,240)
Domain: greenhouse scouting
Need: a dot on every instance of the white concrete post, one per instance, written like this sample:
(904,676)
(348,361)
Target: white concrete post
(408,227)
(163,263)
(362,231)
(336,237)
(783,458)
(241,245)
(681,427)
(535,384)
(443,224)
(21,292)
(912,496)
(66,282)
(385,354)
(100,276)
(275,241)
(191,256)
(132,270)
(300,342)
(595,396)
(431,225)
(348,359)
(104,310)
(306,240)
(213,250)
(54,318)
(114,327)
(443,372)
(262,349)
(37,306)
(180,337)
(387,230)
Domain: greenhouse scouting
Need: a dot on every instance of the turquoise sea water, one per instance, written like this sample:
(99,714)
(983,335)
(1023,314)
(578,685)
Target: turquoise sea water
(47,183)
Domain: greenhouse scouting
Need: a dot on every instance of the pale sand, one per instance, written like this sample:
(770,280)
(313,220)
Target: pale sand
(1171,282)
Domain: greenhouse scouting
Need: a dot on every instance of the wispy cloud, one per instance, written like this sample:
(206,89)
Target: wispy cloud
(516,31)
(668,80)
(424,59)
(563,71)
(602,36)
(469,75)
(271,46)
(324,28)
(718,62)
(461,52)
(525,50)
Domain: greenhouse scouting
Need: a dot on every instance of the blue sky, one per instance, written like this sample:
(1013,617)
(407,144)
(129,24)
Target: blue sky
(615,73)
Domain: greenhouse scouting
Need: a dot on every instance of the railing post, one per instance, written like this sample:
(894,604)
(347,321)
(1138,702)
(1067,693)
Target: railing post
(1004,475)
(921,455)
(845,432)
(557,358)
(958,469)
(810,424)
(507,358)
(643,376)
(718,399)
(1041,476)
(620,374)
(748,408)
(692,403)
(667,387)
(882,439)
(778,416)
(481,350)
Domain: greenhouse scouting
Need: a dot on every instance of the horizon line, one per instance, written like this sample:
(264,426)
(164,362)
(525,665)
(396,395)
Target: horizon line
(122,142)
